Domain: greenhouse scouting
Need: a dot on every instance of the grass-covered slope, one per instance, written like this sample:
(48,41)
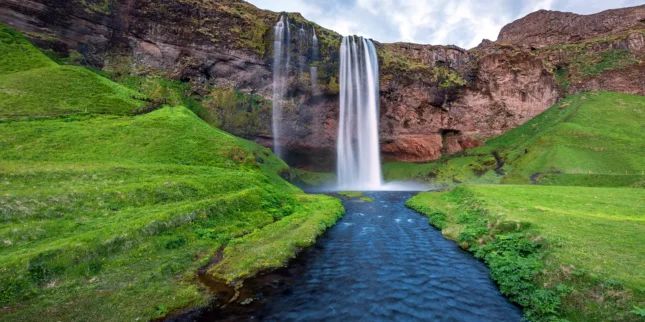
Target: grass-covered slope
(59,90)
(561,252)
(585,139)
(32,85)
(105,216)
(17,54)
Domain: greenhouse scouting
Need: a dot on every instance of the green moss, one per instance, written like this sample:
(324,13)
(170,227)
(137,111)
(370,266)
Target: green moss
(310,178)
(590,58)
(332,87)
(170,92)
(447,78)
(561,77)
(237,112)
(95,6)
(593,64)
(254,38)
(367,199)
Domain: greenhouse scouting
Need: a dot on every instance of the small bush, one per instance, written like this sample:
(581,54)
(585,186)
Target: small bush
(175,242)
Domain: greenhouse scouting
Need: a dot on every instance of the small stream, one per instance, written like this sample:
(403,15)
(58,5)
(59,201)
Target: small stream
(380,262)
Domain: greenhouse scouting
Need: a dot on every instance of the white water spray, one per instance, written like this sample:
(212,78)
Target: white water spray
(302,46)
(281,61)
(359,162)
(313,72)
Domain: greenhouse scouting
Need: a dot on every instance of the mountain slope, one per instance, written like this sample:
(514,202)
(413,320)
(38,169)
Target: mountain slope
(594,138)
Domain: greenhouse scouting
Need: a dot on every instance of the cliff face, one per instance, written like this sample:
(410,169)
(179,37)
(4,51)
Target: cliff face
(434,99)
(547,28)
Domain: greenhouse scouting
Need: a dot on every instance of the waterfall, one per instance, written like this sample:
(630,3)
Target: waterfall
(281,62)
(359,162)
(302,45)
(314,69)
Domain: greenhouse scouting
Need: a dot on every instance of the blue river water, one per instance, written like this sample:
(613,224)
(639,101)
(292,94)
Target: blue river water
(381,262)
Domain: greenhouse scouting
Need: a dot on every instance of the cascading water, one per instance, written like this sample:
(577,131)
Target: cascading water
(302,45)
(314,70)
(281,62)
(359,162)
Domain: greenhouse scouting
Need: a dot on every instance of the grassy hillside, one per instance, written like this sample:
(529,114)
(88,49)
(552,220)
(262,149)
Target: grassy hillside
(17,54)
(583,139)
(106,216)
(32,85)
(561,252)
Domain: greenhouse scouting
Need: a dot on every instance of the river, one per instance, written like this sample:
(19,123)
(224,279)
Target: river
(380,262)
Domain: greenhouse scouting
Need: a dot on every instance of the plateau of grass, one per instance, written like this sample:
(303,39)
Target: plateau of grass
(587,264)
(595,133)
(106,216)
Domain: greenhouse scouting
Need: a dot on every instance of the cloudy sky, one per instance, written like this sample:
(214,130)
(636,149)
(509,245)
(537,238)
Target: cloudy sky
(459,22)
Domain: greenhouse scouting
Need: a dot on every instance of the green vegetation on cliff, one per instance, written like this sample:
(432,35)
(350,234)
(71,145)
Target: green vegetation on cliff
(560,252)
(591,58)
(107,216)
(238,113)
(577,141)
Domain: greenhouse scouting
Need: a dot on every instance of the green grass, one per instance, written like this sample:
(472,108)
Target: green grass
(350,194)
(17,54)
(135,205)
(274,245)
(589,244)
(592,180)
(596,133)
(63,90)
(32,85)
(105,216)
(170,92)
(312,179)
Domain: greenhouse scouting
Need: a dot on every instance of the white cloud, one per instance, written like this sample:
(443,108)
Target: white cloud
(461,22)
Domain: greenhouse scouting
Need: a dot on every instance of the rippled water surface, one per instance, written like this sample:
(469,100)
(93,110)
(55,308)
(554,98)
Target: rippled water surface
(383,262)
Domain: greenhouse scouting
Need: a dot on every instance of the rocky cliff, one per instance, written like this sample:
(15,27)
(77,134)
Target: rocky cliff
(434,99)
(547,28)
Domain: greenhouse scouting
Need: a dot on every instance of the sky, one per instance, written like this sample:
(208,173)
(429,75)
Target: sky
(438,22)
